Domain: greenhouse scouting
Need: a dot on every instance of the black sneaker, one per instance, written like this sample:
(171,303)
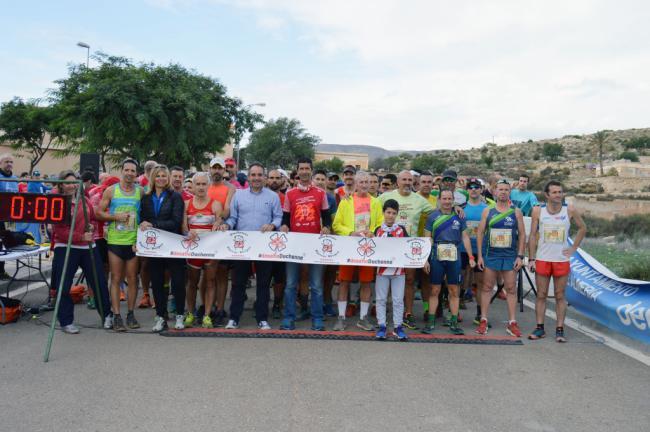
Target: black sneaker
(219,319)
(409,322)
(131,322)
(118,324)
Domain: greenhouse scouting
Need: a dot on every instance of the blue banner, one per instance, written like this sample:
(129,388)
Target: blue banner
(620,304)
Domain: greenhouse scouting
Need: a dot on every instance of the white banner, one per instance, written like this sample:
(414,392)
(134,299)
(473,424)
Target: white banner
(289,247)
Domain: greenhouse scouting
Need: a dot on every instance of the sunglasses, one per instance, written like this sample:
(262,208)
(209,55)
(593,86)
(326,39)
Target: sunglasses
(473,187)
(386,184)
(449,180)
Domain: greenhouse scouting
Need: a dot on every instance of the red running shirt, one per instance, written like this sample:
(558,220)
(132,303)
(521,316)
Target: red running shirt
(305,206)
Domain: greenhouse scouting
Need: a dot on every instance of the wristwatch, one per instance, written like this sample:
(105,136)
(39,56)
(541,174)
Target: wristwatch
(521,257)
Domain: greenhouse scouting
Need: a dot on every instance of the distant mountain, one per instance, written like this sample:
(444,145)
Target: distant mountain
(372,151)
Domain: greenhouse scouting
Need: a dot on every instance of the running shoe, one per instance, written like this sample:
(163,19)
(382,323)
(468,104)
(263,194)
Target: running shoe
(189,320)
(400,334)
(381,333)
(513,329)
(131,322)
(409,322)
(559,335)
(91,303)
(317,325)
(287,324)
(365,324)
(206,322)
(430,327)
(70,329)
(340,324)
(180,325)
(145,302)
(159,324)
(232,325)
(482,327)
(538,333)
(108,322)
(328,310)
(263,325)
(118,324)
(455,330)
(220,318)
(477,321)
(276,312)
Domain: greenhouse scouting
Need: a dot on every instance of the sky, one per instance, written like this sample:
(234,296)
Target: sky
(416,75)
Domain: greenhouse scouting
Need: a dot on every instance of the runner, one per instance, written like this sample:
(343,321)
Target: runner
(390,277)
(373,189)
(522,198)
(254,209)
(120,207)
(449,181)
(332,179)
(231,169)
(223,192)
(426,187)
(320,180)
(549,253)
(305,210)
(275,181)
(359,216)
(503,229)
(162,208)
(202,214)
(447,231)
(177,174)
(411,207)
(388,183)
(473,212)
(348,183)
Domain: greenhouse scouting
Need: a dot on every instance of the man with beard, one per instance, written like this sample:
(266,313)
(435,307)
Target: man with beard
(6,173)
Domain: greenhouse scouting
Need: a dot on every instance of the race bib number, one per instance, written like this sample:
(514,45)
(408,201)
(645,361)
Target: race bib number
(500,238)
(404,221)
(362,222)
(129,225)
(554,234)
(472,228)
(447,252)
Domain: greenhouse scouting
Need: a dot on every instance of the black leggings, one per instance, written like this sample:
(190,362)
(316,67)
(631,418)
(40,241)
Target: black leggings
(176,268)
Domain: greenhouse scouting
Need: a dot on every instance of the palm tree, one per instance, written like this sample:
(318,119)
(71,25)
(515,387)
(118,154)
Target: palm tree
(599,139)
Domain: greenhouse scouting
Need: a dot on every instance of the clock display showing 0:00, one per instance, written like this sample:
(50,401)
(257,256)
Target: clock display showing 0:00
(41,208)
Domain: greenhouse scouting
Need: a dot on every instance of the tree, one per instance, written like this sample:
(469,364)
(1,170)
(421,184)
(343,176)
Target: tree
(28,126)
(332,165)
(280,143)
(599,140)
(428,162)
(629,155)
(553,150)
(147,111)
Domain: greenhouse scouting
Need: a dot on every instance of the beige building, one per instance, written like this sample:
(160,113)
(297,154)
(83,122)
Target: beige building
(359,160)
(626,168)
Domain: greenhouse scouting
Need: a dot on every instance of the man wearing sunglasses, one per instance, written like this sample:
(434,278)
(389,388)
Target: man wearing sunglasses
(388,183)
(449,181)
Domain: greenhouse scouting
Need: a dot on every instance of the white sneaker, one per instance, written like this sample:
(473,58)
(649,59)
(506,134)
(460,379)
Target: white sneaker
(180,325)
(70,329)
(159,324)
(263,325)
(108,322)
(232,325)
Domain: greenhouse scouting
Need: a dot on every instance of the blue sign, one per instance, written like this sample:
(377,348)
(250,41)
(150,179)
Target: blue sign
(620,304)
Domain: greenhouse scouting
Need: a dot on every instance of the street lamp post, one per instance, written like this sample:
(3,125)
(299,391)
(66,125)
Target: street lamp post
(259,104)
(85,45)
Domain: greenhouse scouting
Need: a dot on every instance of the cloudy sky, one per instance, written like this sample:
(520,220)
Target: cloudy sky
(396,74)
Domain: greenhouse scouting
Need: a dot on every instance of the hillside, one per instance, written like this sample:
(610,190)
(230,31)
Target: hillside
(373,152)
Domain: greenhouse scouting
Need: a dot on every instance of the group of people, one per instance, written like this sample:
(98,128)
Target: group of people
(476,229)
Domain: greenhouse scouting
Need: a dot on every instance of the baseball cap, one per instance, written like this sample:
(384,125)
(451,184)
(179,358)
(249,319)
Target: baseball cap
(414,173)
(349,168)
(217,161)
(450,174)
(283,173)
(36,173)
(503,181)
(230,161)
(332,174)
(474,181)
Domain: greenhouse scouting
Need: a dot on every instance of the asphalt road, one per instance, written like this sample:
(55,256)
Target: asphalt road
(102,381)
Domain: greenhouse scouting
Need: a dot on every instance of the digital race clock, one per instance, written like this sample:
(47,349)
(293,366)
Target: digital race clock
(34,207)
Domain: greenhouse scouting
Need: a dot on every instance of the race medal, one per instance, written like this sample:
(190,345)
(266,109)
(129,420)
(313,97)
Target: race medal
(500,238)
(447,252)
(554,234)
(472,228)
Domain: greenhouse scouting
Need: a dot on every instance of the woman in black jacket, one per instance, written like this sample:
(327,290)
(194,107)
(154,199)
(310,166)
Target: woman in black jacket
(163,208)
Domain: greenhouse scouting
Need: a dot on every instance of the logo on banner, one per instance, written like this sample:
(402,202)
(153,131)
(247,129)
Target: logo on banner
(278,242)
(189,244)
(327,247)
(151,240)
(366,247)
(415,250)
(238,243)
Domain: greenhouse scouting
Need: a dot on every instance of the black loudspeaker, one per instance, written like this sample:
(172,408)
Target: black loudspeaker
(89,162)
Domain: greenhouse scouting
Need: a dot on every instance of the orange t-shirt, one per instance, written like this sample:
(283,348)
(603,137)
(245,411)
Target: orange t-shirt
(219,193)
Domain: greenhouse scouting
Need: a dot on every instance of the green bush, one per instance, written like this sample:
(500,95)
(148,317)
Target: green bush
(639,270)
(629,155)
(628,226)
(642,142)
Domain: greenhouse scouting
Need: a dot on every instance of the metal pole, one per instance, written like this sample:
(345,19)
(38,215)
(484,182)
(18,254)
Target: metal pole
(50,336)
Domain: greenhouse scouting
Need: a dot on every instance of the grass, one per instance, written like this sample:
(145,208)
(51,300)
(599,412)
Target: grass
(626,258)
